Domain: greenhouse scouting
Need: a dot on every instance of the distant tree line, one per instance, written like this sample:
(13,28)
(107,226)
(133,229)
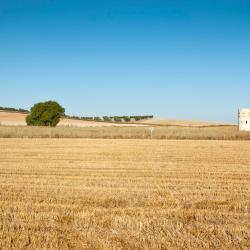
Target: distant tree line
(111,118)
(49,113)
(14,110)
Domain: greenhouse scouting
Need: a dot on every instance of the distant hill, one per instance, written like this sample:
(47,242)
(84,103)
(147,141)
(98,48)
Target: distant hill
(183,123)
(14,118)
(20,110)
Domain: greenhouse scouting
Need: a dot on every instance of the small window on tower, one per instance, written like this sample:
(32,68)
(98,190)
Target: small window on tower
(246,122)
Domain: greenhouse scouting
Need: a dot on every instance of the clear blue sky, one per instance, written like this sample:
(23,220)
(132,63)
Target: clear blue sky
(174,59)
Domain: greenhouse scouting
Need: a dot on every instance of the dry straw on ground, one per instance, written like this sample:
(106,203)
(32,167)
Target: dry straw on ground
(158,132)
(124,194)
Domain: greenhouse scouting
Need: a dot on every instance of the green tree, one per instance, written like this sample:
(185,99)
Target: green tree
(97,118)
(45,114)
(126,118)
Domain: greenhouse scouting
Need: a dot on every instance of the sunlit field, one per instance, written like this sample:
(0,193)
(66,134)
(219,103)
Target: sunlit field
(149,132)
(124,194)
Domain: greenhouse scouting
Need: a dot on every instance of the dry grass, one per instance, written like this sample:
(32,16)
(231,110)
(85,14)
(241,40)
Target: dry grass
(124,194)
(185,123)
(161,132)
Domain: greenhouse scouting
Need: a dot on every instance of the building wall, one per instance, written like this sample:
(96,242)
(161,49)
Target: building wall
(244,120)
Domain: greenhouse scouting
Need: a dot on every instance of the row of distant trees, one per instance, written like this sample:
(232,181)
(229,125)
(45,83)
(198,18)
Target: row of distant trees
(112,118)
(14,110)
(49,114)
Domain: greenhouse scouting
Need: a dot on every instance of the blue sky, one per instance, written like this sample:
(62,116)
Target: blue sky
(174,59)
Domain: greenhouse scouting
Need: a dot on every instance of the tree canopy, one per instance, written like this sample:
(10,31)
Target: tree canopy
(45,114)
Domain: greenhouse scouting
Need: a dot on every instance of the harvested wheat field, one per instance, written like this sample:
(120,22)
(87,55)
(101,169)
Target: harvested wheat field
(124,194)
(181,123)
(159,132)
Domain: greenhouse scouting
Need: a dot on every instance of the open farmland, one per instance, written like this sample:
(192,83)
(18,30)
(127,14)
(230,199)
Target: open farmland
(182,123)
(158,132)
(18,119)
(124,194)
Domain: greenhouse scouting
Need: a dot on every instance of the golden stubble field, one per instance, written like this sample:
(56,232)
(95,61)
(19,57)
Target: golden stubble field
(124,194)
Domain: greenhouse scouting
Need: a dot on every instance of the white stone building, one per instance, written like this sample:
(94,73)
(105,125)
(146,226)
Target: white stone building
(244,119)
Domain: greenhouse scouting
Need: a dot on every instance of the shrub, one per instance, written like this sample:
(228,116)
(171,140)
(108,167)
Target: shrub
(117,119)
(126,118)
(97,118)
(140,117)
(87,118)
(107,118)
(14,109)
(45,114)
